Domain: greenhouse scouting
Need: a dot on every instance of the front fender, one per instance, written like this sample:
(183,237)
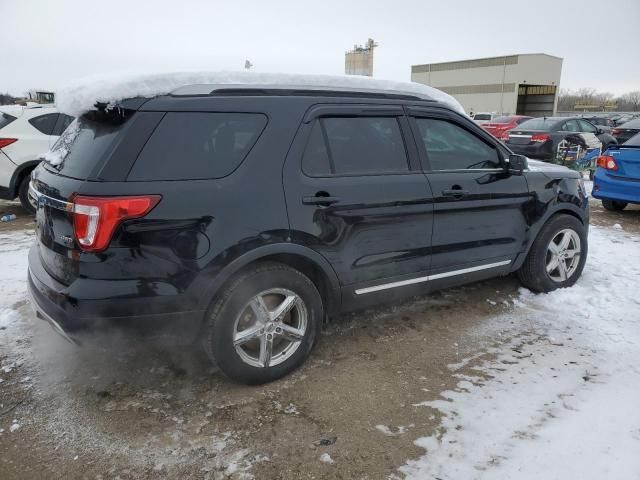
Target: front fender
(552,196)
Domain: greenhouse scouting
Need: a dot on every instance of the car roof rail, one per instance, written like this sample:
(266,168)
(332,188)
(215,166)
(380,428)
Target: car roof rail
(207,90)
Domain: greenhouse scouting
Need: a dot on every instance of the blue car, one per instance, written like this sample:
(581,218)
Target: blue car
(617,178)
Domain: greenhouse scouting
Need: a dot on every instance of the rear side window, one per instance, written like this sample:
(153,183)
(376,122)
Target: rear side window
(194,145)
(45,123)
(61,125)
(6,119)
(355,146)
(450,147)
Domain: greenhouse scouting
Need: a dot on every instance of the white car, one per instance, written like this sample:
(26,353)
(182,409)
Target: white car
(484,117)
(25,134)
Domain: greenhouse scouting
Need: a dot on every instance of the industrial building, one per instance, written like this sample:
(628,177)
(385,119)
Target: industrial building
(359,61)
(525,84)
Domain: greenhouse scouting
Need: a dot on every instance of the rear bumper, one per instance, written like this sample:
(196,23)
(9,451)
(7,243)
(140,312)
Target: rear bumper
(606,187)
(73,317)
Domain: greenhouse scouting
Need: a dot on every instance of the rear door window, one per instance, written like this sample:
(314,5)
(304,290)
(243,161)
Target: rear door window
(45,123)
(571,126)
(587,127)
(355,146)
(195,145)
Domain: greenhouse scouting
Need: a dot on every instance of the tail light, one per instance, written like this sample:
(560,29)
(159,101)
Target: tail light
(540,137)
(5,142)
(607,162)
(615,131)
(96,218)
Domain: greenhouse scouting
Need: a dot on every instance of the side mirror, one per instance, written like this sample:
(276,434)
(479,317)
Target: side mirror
(517,164)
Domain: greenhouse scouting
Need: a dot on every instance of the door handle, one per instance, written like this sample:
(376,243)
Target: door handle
(455,192)
(319,199)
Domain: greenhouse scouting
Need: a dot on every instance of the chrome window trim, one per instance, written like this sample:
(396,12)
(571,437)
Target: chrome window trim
(427,278)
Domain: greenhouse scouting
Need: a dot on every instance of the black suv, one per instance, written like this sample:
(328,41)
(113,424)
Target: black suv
(245,217)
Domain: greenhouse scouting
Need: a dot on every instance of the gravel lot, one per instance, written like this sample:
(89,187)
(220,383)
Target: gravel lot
(118,408)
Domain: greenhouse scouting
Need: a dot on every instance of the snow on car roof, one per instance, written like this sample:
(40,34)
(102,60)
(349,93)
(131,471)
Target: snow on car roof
(81,96)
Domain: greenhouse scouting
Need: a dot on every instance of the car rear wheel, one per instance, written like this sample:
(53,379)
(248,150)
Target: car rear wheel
(23,195)
(614,205)
(264,324)
(557,257)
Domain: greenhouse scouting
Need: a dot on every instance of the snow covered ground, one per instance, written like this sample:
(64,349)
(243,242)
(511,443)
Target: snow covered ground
(559,399)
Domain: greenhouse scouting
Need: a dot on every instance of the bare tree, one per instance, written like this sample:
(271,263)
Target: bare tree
(632,99)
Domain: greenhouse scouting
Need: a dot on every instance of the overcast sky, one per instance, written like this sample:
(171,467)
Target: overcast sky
(46,43)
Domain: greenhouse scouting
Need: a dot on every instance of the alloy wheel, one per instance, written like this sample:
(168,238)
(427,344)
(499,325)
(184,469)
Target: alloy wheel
(563,255)
(270,327)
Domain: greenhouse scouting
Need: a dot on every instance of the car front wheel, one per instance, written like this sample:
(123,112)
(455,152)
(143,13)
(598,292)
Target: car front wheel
(264,324)
(557,257)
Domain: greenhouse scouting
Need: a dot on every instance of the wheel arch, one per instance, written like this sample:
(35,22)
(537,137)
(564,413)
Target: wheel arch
(299,257)
(561,209)
(19,174)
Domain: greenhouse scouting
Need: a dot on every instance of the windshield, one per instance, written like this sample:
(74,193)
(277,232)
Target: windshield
(541,124)
(482,116)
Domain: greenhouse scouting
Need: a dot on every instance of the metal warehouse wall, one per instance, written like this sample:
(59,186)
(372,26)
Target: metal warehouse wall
(490,84)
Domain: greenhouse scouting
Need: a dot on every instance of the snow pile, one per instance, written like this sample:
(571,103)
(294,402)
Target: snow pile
(560,398)
(326,458)
(81,96)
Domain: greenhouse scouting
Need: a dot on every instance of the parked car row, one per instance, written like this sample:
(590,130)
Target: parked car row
(540,137)
(25,134)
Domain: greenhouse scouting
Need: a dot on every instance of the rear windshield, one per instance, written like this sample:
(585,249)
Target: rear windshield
(6,119)
(635,123)
(541,124)
(633,141)
(482,116)
(501,120)
(84,144)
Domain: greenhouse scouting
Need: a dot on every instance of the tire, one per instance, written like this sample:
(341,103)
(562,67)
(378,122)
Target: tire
(23,195)
(534,272)
(231,314)
(614,205)
(592,174)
